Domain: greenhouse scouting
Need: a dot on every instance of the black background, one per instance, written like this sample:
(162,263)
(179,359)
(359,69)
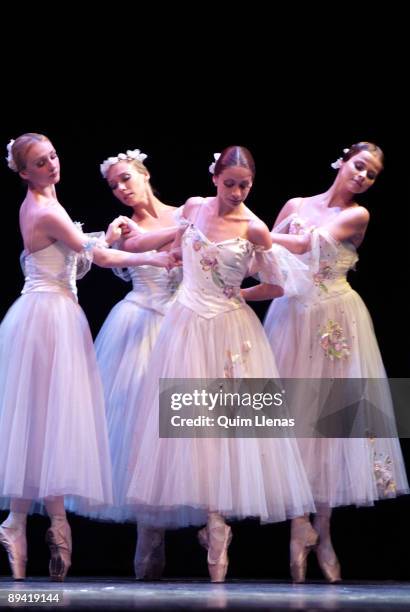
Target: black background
(293,142)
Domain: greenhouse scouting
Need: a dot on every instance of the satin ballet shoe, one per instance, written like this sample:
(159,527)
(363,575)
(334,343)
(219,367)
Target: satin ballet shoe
(149,561)
(215,538)
(303,540)
(59,542)
(328,562)
(15,543)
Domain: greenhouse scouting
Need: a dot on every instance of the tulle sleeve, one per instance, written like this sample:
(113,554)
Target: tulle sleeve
(278,266)
(300,270)
(122,273)
(296,273)
(179,218)
(322,244)
(320,239)
(265,266)
(283,226)
(85,257)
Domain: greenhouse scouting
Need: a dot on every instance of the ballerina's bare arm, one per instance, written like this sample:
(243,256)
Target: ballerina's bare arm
(137,242)
(129,237)
(350,224)
(175,249)
(58,226)
(258,234)
(289,208)
(297,244)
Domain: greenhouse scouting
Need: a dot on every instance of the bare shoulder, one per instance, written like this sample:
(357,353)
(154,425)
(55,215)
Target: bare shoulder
(362,213)
(51,216)
(350,224)
(192,205)
(258,233)
(195,201)
(356,214)
(289,208)
(292,205)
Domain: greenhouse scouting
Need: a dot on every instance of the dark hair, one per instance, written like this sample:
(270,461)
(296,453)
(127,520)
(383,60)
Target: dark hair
(364,146)
(235,156)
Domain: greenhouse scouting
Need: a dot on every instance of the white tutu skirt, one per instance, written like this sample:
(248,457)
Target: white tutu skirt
(341,471)
(123,348)
(53,438)
(175,482)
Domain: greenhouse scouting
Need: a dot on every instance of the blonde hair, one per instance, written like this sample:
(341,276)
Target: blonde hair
(139,167)
(20,148)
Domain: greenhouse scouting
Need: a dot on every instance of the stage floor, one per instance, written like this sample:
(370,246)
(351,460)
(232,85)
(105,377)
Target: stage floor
(113,594)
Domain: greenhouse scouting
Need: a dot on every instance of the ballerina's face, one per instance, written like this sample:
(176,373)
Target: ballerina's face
(42,165)
(233,185)
(360,171)
(127,184)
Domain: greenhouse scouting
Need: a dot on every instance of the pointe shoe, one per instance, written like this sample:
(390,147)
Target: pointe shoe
(59,542)
(328,562)
(15,543)
(216,537)
(149,561)
(302,542)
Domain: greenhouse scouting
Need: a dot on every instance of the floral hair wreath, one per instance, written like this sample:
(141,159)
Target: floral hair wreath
(128,156)
(338,163)
(10,160)
(212,166)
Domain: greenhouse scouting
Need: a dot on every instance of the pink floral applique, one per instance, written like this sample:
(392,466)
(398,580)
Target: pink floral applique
(230,291)
(325,273)
(208,263)
(197,243)
(383,472)
(333,342)
(235,363)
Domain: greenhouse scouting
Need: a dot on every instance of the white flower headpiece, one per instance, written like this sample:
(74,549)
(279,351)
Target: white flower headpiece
(10,160)
(128,156)
(212,166)
(337,164)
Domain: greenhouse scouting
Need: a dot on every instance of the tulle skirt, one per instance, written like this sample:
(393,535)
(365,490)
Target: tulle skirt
(175,482)
(53,436)
(123,348)
(334,338)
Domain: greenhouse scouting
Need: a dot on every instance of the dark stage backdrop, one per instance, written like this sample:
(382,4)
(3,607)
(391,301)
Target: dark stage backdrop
(293,158)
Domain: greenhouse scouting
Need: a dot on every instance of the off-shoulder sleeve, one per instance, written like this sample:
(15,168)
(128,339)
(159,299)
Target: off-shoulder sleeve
(265,265)
(320,238)
(179,217)
(296,272)
(283,226)
(122,273)
(86,256)
(278,266)
(321,241)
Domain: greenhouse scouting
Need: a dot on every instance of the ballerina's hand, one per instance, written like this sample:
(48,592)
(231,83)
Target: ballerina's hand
(128,226)
(175,258)
(114,230)
(176,254)
(163,259)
